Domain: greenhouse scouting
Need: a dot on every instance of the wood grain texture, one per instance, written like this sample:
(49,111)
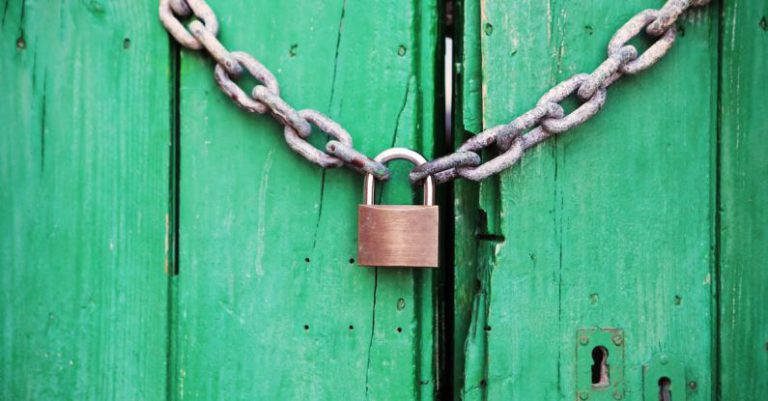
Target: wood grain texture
(83,200)
(610,225)
(270,302)
(743,200)
(467,120)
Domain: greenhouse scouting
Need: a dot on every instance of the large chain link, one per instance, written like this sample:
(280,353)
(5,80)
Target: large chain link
(547,118)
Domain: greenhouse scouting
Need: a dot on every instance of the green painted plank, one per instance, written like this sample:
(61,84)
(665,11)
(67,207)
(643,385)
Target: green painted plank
(467,113)
(84,178)
(270,302)
(471,65)
(743,196)
(608,226)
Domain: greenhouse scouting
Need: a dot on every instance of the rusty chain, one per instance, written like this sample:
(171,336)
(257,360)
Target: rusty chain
(546,119)
(201,33)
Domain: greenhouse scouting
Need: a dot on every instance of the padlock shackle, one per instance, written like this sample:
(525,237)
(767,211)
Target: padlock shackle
(395,154)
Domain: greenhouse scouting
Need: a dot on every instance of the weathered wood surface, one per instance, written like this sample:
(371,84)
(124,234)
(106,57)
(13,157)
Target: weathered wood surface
(270,302)
(610,225)
(83,200)
(743,200)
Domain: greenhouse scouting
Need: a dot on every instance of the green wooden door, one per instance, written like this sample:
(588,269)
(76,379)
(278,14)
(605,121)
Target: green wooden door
(157,243)
(638,232)
(268,301)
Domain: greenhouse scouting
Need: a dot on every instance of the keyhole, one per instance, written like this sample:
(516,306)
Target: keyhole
(600,376)
(665,394)
(599,367)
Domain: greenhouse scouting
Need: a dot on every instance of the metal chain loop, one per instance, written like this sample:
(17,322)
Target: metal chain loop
(449,162)
(653,54)
(486,138)
(304,148)
(199,8)
(577,117)
(528,120)
(669,13)
(607,72)
(257,70)
(357,161)
(215,48)
(281,110)
(529,129)
(501,162)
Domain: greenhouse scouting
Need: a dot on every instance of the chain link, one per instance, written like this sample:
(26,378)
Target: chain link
(656,51)
(200,9)
(304,148)
(546,119)
(258,71)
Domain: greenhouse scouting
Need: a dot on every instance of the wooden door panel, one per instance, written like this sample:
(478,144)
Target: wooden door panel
(84,201)
(608,226)
(743,246)
(269,300)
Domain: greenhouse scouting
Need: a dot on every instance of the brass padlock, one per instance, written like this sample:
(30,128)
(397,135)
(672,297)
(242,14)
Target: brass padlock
(398,235)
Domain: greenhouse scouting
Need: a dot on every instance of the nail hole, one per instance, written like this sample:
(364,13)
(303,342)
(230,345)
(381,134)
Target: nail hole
(488,29)
(126,43)
(401,51)
(588,29)
(21,44)
(692,385)
(764,24)
(351,327)
(306,260)
(665,392)
(351,261)
(306,327)
(400,304)
(399,329)
(483,383)
(294,50)
(600,378)
(487,328)
(678,300)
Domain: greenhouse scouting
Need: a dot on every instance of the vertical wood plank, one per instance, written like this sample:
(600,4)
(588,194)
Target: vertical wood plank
(271,303)
(84,193)
(743,197)
(467,120)
(609,225)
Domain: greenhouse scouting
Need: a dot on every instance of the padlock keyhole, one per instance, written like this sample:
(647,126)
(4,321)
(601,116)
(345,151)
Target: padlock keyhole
(600,376)
(665,391)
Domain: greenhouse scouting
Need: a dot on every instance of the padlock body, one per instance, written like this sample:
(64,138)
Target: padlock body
(398,235)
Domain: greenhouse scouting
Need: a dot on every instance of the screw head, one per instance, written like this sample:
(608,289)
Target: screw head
(583,396)
(664,359)
(584,340)
(617,339)
(617,395)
